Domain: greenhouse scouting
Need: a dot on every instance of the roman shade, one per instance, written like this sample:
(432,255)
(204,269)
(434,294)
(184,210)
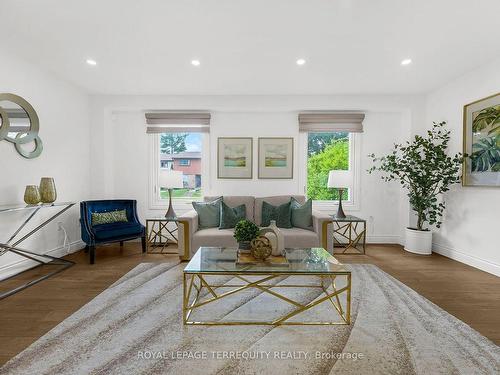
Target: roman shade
(178,121)
(331,121)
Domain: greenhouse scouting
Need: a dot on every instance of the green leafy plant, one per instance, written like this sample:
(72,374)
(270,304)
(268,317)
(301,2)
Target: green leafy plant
(334,156)
(425,170)
(245,230)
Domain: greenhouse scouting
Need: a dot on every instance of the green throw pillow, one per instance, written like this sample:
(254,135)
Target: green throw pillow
(229,217)
(282,214)
(302,214)
(118,216)
(208,213)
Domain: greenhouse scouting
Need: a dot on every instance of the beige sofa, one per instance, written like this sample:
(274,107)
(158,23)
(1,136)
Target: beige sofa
(191,238)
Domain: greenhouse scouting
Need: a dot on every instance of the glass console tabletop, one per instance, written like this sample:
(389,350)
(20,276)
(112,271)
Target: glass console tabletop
(301,261)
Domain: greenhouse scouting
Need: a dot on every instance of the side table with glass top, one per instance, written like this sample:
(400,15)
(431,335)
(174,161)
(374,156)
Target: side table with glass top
(349,235)
(160,234)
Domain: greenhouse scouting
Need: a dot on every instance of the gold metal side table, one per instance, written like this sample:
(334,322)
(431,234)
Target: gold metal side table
(349,235)
(159,236)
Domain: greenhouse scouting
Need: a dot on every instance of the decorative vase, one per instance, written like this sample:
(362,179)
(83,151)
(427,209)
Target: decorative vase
(261,247)
(418,241)
(276,238)
(48,191)
(32,195)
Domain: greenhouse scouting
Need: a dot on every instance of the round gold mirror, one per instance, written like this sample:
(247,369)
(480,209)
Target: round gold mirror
(19,125)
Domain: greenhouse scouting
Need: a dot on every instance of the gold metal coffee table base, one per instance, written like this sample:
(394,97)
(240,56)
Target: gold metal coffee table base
(198,292)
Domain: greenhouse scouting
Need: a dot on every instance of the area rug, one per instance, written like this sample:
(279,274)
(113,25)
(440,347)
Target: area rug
(135,327)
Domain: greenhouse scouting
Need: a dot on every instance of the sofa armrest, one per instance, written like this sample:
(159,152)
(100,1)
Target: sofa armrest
(322,226)
(188,225)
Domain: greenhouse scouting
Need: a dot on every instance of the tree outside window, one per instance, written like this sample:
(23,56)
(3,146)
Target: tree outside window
(326,152)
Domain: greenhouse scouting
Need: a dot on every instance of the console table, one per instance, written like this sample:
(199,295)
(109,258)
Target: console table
(12,243)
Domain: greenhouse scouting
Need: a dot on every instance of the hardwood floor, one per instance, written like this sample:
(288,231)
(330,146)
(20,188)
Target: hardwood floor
(471,295)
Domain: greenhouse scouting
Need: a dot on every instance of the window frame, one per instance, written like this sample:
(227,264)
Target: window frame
(187,164)
(353,203)
(180,204)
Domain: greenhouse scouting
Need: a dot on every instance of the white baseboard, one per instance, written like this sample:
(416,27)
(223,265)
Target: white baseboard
(392,239)
(468,259)
(14,268)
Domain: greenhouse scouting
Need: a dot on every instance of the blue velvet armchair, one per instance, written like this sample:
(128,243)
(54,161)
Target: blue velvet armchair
(94,235)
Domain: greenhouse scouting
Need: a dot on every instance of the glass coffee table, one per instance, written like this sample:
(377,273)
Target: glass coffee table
(213,275)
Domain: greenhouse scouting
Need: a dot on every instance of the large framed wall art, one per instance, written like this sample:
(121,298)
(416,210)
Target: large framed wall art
(482,142)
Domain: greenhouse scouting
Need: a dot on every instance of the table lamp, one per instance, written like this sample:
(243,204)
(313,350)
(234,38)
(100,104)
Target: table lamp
(340,180)
(170,179)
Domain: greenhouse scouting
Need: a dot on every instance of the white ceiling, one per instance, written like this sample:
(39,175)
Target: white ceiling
(250,46)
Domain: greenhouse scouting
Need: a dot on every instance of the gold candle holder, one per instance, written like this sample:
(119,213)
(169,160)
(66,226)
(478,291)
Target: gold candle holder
(32,195)
(48,191)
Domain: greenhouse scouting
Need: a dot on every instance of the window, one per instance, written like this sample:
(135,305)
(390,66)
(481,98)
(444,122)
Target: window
(176,152)
(326,151)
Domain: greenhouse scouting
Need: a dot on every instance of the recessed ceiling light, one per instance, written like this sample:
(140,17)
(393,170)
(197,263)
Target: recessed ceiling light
(406,62)
(301,62)
(91,62)
(195,62)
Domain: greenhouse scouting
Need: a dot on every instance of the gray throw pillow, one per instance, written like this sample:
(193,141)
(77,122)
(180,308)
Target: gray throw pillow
(229,217)
(208,213)
(302,214)
(282,214)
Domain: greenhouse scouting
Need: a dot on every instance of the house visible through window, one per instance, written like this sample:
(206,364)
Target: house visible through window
(326,151)
(182,152)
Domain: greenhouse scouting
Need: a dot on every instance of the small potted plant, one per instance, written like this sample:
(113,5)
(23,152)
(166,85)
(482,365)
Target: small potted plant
(425,170)
(244,232)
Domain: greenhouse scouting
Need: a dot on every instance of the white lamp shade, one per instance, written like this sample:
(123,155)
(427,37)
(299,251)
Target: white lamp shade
(171,179)
(340,179)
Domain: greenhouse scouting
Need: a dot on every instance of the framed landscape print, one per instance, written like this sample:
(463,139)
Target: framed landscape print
(234,157)
(482,142)
(275,158)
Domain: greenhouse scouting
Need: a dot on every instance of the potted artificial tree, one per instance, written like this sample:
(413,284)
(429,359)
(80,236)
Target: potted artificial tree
(244,232)
(426,171)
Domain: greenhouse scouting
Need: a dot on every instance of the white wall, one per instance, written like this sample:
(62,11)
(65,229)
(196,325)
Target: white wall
(472,219)
(64,130)
(120,149)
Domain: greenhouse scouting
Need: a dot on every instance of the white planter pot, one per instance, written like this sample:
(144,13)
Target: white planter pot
(418,241)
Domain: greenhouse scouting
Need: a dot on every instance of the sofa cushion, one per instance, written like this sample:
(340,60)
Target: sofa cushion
(237,200)
(105,232)
(230,216)
(208,213)
(298,237)
(275,201)
(282,214)
(214,237)
(302,214)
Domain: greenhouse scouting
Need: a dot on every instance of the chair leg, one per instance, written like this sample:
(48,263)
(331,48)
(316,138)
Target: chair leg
(143,242)
(121,243)
(86,249)
(92,254)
